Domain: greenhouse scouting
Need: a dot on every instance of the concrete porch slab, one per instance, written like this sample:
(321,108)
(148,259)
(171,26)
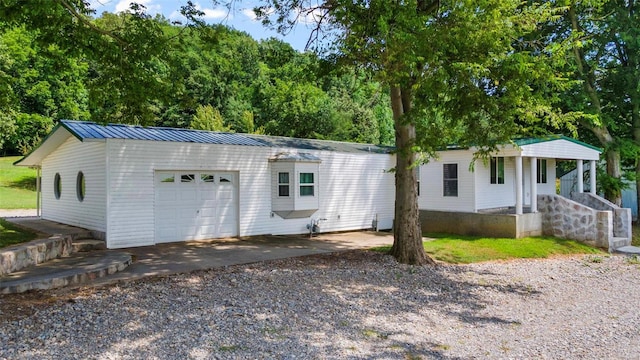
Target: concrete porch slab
(631,250)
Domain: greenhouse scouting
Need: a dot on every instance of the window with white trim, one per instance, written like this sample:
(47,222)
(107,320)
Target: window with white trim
(80,186)
(497,170)
(307,184)
(283,184)
(541,171)
(57,186)
(450,179)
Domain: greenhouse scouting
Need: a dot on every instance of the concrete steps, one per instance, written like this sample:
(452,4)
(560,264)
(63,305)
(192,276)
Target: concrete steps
(70,257)
(76,269)
(87,245)
(629,250)
(619,242)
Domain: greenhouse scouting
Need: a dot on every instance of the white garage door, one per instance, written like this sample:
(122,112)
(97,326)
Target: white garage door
(192,205)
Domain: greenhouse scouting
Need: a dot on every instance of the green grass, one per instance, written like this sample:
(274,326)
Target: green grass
(17,185)
(11,234)
(458,249)
(635,234)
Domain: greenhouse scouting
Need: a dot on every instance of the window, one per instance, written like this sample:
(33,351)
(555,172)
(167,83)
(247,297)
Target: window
(206,178)
(80,187)
(187,178)
(497,170)
(306,184)
(416,170)
(57,186)
(542,171)
(224,179)
(168,179)
(283,184)
(450,179)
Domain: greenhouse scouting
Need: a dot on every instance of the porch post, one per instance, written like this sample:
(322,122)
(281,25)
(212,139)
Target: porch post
(533,178)
(580,176)
(518,185)
(592,176)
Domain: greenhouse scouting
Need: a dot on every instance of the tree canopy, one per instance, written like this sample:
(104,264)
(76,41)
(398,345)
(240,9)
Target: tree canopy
(465,72)
(136,69)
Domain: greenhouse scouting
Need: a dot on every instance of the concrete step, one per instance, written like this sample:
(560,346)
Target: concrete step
(76,269)
(629,250)
(619,242)
(86,245)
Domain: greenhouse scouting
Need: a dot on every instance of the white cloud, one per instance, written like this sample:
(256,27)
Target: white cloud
(312,17)
(249,13)
(213,14)
(209,13)
(123,5)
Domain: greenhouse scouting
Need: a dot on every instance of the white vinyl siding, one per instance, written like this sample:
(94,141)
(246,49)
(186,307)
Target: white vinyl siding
(489,196)
(432,184)
(351,188)
(559,149)
(307,194)
(280,203)
(70,158)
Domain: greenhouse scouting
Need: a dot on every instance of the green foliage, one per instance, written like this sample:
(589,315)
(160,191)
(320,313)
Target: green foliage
(137,69)
(458,249)
(604,66)
(12,235)
(31,129)
(17,185)
(208,118)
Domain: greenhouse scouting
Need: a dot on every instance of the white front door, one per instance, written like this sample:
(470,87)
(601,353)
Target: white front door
(192,205)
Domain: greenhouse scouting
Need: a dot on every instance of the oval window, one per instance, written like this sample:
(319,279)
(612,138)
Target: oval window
(57,186)
(80,186)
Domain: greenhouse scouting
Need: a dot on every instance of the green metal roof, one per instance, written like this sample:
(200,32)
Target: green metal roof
(536,140)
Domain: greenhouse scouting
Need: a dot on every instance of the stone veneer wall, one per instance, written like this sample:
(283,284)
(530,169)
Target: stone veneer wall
(35,252)
(621,216)
(569,219)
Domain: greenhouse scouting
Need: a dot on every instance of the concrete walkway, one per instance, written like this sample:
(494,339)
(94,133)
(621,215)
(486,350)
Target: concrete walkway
(166,259)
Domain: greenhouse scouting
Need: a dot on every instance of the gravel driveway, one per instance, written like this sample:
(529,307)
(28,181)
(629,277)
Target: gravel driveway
(356,304)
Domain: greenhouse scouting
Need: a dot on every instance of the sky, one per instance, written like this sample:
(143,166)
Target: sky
(240,18)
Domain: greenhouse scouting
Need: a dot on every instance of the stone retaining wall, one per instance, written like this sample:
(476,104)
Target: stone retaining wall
(568,219)
(622,217)
(35,252)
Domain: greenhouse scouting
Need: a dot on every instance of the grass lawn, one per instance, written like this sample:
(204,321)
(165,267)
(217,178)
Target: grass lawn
(635,233)
(459,249)
(17,185)
(11,235)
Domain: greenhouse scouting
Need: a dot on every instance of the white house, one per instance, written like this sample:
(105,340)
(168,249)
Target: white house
(505,180)
(142,186)
(137,186)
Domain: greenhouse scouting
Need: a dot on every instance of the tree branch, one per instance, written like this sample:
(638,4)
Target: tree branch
(89,24)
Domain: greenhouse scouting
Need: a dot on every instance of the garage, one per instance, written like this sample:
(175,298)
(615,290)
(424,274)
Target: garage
(195,205)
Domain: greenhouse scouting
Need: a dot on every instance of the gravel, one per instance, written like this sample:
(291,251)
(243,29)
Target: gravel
(357,304)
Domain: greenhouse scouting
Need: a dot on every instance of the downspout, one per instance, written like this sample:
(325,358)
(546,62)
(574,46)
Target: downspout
(38,190)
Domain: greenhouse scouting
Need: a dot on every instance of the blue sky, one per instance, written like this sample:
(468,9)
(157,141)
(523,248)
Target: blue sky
(241,17)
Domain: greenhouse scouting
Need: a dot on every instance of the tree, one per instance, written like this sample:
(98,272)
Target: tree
(127,53)
(208,118)
(42,83)
(457,71)
(605,61)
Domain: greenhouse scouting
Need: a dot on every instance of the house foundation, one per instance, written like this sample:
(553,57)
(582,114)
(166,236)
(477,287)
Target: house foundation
(481,224)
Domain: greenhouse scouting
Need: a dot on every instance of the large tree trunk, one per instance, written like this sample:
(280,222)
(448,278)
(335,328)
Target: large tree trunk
(407,242)
(635,115)
(587,74)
